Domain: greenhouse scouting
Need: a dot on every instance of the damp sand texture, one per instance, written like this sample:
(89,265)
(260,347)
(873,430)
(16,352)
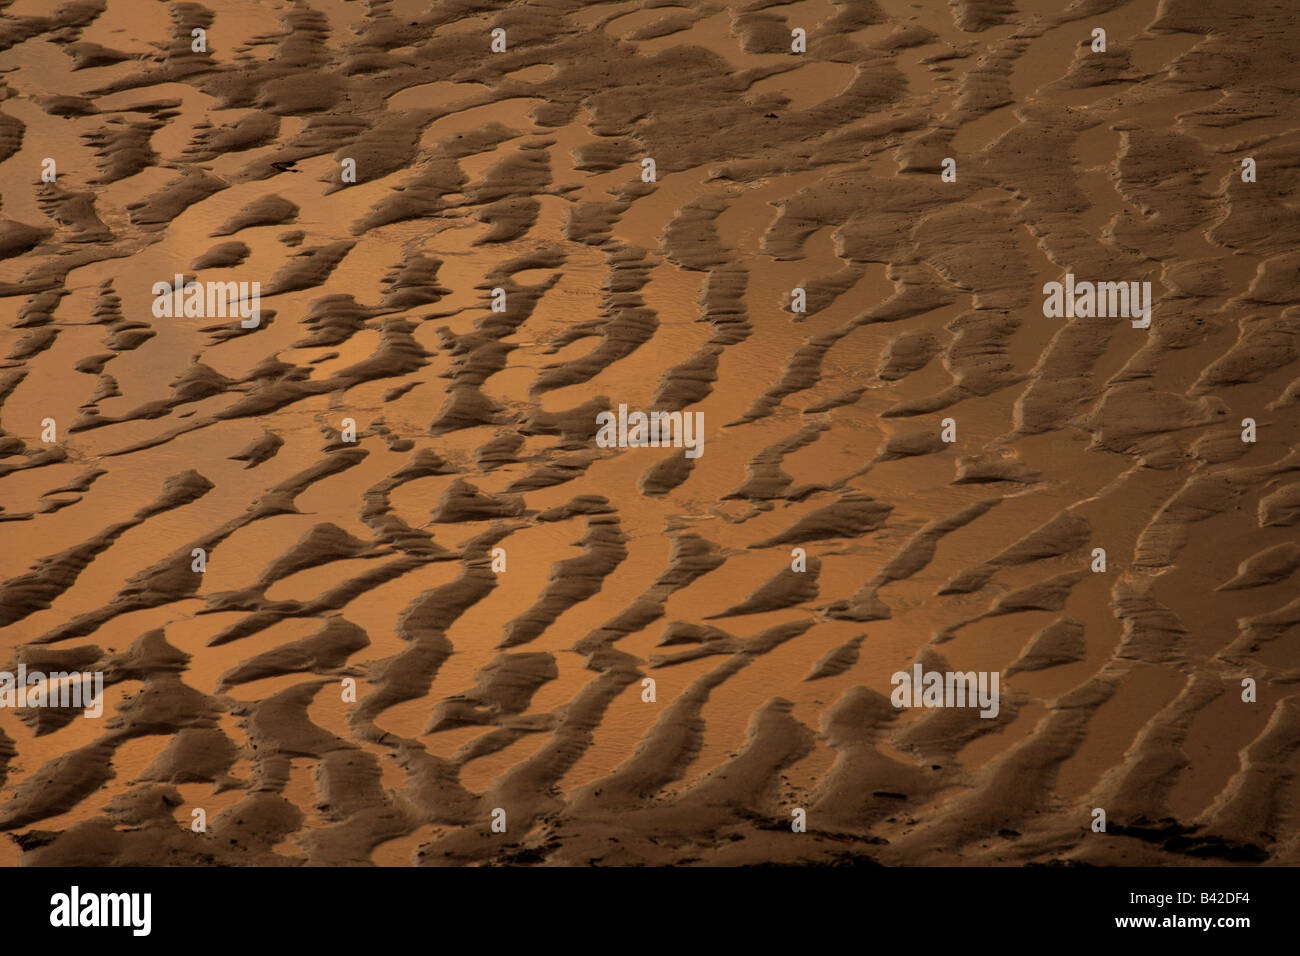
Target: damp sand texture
(366,582)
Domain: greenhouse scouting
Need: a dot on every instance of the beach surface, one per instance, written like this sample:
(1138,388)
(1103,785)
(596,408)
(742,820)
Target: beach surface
(438,623)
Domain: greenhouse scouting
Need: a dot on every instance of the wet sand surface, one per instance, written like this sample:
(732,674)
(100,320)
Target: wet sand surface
(481,688)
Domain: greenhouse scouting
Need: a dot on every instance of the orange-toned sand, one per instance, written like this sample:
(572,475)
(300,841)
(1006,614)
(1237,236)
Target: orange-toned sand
(479,688)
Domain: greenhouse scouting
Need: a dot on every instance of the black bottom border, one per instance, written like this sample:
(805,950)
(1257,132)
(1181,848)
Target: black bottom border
(965,905)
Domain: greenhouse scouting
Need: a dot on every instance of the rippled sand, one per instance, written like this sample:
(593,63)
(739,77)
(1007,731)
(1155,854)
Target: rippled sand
(522,690)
